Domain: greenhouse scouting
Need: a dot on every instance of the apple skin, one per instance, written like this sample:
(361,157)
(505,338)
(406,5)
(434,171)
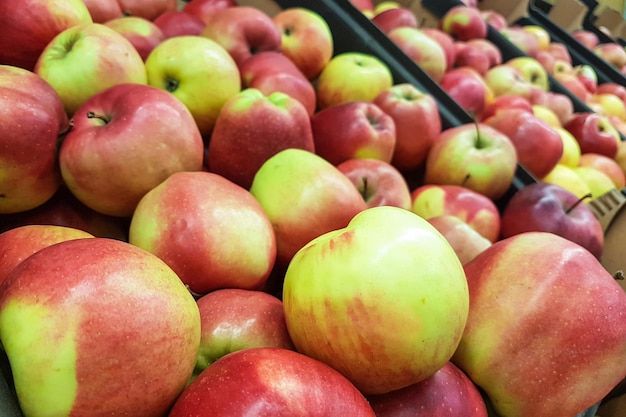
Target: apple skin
(103,10)
(523,40)
(422,49)
(197,71)
(150,9)
(412,110)
(345,282)
(445,41)
(330,202)
(351,76)
(201,236)
(270,382)
(233,319)
(26,30)
(480,54)
(531,339)
(544,207)
(531,70)
(505,101)
(529,134)
(473,208)
(594,133)
(87,59)
(396,17)
(114,320)
(306,39)
(609,166)
(611,52)
(124,141)
(586,37)
(468,88)
(28,137)
(203,9)
(379,182)
(504,79)
(178,23)
(612,88)
(476,156)
(465,240)
(243,31)
(449,392)
(559,103)
(19,243)
(235,150)
(142,33)
(494,19)
(356,129)
(463,23)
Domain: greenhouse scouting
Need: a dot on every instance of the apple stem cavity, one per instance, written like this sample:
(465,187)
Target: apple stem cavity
(580,200)
(619,275)
(92,115)
(171,85)
(365,192)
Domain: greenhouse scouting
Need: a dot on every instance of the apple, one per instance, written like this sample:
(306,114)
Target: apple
(243,31)
(587,38)
(598,182)
(197,71)
(608,104)
(505,101)
(352,76)
(559,103)
(102,11)
(612,88)
(446,42)
(355,129)
(19,243)
(422,49)
(366,6)
(269,382)
(545,207)
(494,18)
(547,115)
(538,305)
(531,70)
(620,157)
(538,146)
(150,9)
(463,23)
(252,127)
(475,209)
(233,319)
(541,33)
(468,88)
(417,122)
(474,155)
(379,182)
(448,392)
(203,9)
(521,39)
(560,52)
(505,79)
(87,59)
(588,76)
(27,29)
(608,166)
(565,177)
(571,82)
(272,71)
(124,141)
(30,125)
(480,54)
(97,323)
(547,60)
(594,133)
(306,39)
(465,240)
(380,7)
(395,17)
(178,23)
(141,32)
(611,52)
(571,149)
(329,203)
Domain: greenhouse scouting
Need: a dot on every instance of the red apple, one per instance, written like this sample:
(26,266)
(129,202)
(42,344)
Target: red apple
(148,9)
(480,54)
(506,101)
(612,88)
(124,141)
(178,23)
(611,52)
(522,39)
(594,133)
(395,17)
(559,103)
(142,33)
(587,76)
(465,240)
(445,41)
(356,129)
(468,88)
(203,9)
(417,123)
(587,38)
(605,164)
(251,127)
(422,49)
(103,10)
(494,19)
(379,182)
(270,382)
(560,52)
(363,5)
(463,23)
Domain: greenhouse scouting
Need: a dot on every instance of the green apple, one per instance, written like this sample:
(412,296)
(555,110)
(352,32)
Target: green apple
(199,72)
(87,59)
(383,300)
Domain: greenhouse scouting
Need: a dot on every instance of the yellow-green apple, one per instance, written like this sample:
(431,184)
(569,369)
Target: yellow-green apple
(379,182)
(505,101)
(473,208)
(541,33)
(598,182)
(449,392)
(26,30)
(306,39)
(243,31)
(476,156)
(233,319)
(494,18)
(114,320)
(587,38)
(148,9)
(588,76)
(123,142)
(463,23)
(525,41)
(272,71)
(209,230)
(561,104)
(549,301)
(380,7)
(611,52)
(252,127)
(564,176)
(197,71)
(547,115)
(270,382)
(480,54)
(545,207)
(355,129)
(504,79)
(422,49)
(329,202)
(395,17)
(608,104)
(417,122)
(464,239)
(386,263)
(609,166)
(445,41)
(468,88)
(178,23)
(87,59)
(612,88)
(20,242)
(594,133)
(203,9)
(531,70)
(142,33)
(571,149)
(352,76)
(539,147)
(31,122)
(103,10)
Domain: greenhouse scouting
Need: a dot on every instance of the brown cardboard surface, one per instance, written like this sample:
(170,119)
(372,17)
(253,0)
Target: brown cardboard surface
(613,21)
(568,14)
(511,10)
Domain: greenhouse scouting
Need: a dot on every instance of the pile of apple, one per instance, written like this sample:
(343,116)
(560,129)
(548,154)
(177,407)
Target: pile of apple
(206,211)
(612,52)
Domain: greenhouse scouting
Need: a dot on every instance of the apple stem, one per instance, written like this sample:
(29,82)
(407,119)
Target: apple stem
(364,193)
(466,179)
(580,200)
(92,115)
(619,275)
